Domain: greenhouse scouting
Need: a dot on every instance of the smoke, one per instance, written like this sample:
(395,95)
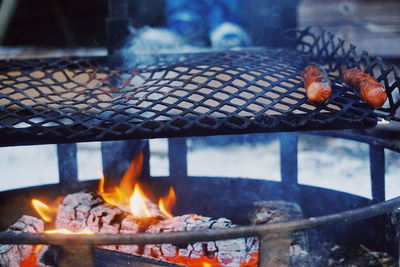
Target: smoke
(145,46)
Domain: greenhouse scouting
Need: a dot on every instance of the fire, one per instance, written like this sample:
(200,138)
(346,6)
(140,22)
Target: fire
(138,204)
(165,204)
(130,197)
(46,212)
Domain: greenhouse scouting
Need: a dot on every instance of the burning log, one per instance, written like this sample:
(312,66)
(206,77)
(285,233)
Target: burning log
(89,211)
(265,212)
(220,253)
(12,255)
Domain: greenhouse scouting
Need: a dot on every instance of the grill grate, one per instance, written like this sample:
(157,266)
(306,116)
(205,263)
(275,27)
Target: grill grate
(169,95)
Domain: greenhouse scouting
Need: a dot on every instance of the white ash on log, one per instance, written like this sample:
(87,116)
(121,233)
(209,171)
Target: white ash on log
(12,255)
(265,212)
(227,253)
(87,210)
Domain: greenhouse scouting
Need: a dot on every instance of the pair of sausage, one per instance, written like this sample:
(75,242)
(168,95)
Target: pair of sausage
(318,86)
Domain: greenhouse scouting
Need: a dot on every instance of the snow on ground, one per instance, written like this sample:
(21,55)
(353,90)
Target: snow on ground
(325,162)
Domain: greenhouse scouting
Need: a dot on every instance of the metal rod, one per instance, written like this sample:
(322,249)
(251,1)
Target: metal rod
(288,155)
(177,155)
(117,9)
(67,165)
(198,236)
(289,165)
(377,169)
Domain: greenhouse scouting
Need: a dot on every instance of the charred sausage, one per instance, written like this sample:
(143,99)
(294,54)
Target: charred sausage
(316,83)
(371,91)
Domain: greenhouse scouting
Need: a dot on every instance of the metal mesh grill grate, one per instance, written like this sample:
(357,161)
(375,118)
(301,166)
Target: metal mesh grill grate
(167,95)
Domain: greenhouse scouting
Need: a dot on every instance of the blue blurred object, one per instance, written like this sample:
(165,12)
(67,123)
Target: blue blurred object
(224,28)
(188,19)
(200,21)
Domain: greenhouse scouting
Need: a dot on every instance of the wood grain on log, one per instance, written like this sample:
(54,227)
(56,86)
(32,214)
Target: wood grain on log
(12,255)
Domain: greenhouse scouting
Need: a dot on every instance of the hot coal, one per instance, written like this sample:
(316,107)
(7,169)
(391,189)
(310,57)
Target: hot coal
(226,252)
(12,255)
(103,257)
(84,210)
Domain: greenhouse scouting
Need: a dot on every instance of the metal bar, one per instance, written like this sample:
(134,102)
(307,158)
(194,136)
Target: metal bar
(377,169)
(274,250)
(76,255)
(146,160)
(117,9)
(288,153)
(360,137)
(289,165)
(199,236)
(67,164)
(117,30)
(177,155)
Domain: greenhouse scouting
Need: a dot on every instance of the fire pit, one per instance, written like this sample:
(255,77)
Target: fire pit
(67,100)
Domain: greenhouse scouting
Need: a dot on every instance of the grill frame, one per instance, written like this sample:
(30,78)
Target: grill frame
(70,119)
(324,48)
(288,185)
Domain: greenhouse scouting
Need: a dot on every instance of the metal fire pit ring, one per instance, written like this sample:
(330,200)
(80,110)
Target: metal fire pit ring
(267,233)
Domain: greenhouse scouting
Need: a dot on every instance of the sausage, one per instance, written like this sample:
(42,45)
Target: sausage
(316,83)
(371,91)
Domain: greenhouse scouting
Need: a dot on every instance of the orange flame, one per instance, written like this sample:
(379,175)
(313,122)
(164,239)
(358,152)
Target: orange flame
(138,204)
(47,213)
(165,204)
(129,196)
(66,231)
(120,196)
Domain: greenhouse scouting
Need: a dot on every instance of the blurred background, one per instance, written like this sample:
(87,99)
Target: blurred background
(49,28)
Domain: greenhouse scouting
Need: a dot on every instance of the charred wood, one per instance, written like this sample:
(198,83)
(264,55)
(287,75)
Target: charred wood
(87,210)
(12,255)
(225,252)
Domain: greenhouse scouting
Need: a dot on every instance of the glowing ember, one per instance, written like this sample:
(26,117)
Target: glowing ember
(165,204)
(44,210)
(65,231)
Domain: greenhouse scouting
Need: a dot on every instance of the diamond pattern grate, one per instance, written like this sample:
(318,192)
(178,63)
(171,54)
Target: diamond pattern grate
(169,95)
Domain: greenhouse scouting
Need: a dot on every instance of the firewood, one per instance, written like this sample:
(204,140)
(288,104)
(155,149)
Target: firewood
(87,210)
(82,210)
(265,212)
(225,252)
(12,255)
